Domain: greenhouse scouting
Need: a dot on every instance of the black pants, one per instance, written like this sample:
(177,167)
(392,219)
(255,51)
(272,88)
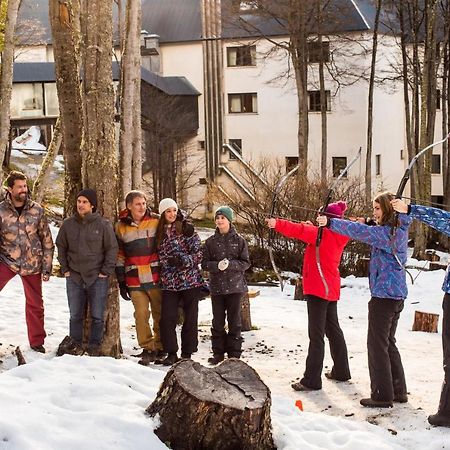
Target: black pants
(188,299)
(323,320)
(444,402)
(228,306)
(387,378)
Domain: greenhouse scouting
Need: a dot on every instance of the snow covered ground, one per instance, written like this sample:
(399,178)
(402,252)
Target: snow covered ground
(98,403)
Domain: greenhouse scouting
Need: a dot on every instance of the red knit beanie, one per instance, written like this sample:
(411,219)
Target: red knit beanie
(336,210)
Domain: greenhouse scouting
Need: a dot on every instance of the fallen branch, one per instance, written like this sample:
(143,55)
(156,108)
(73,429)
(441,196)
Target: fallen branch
(20,359)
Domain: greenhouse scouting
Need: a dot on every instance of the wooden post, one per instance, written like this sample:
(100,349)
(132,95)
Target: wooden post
(298,293)
(246,319)
(425,322)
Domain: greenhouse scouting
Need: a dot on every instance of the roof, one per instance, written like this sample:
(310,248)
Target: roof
(44,72)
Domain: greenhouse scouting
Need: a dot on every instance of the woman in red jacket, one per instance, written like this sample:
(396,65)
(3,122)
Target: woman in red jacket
(322,308)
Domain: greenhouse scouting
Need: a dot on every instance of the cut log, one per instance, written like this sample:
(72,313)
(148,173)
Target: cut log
(425,322)
(226,407)
(246,319)
(298,293)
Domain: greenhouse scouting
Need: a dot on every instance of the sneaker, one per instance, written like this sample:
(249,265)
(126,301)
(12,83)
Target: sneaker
(439,420)
(401,398)
(147,357)
(38,348)
(94,350)
(216,359)
(172,358)
(370,403)
(301,387)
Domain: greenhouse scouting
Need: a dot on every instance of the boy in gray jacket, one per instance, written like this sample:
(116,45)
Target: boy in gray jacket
(226,259)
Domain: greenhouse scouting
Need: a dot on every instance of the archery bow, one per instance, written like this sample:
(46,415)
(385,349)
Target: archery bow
(276,191)
(322,209)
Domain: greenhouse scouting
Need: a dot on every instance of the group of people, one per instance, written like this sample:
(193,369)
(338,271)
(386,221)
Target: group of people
(387,234)
(158,258)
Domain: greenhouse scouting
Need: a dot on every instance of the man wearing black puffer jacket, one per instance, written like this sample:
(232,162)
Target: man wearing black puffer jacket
(226,259)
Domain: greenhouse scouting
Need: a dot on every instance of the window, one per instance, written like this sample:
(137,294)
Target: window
(339,164)
(377,164)
(201,145)
(242,103)
(237,146)
(291,162)
(436,164)
(314,53)
(314,100)
(244,55)
(402,154)
(438,99)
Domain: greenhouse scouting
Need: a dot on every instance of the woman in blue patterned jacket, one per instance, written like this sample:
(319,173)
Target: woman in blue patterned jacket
(387,281)
(179,251)
(440,220)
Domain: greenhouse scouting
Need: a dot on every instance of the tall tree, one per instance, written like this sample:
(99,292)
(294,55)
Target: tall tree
(368,186)
(130,141)
(100,168)
(66,39)
(6,74)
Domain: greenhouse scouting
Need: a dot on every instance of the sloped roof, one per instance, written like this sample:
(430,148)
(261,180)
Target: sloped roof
(44,72)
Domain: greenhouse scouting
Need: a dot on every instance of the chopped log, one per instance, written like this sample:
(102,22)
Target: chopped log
(298,293)
(20,359)
(246,319)
(226,407)
(425,322)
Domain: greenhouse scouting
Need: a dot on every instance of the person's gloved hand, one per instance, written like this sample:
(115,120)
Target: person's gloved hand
(187,228)
(124,291)
(223,264)
(175,261)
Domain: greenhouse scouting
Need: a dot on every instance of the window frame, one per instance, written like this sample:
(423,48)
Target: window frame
(313,49)
(244,98)
(244,53)
(314,100)
(338,166)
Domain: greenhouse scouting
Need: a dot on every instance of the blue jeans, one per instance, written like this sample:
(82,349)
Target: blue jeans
(78,295)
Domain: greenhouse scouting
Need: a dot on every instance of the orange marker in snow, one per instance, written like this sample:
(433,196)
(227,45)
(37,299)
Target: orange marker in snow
(299,405)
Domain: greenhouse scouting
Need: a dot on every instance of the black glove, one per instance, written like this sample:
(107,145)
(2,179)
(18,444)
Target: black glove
(175,261)
(187,228)
(124,291)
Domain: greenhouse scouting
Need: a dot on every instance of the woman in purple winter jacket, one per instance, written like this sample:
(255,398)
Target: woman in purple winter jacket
(179,251)
(387,282)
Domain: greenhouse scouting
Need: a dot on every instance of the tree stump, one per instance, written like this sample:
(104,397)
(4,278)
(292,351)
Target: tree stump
(246,319)
(425,322)
(298,293)
(222,408)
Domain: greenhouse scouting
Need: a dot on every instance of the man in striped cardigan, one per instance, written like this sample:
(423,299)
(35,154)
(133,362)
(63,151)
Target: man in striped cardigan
(137,271)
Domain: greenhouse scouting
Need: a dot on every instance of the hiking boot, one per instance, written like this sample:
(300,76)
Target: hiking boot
(160,356)
(38,348)
(370,403)
(301,387)
(439,420)
(401,398)
(216,359)
(186,356)
(172,358)
(147,357)
(330,376)
(94,350)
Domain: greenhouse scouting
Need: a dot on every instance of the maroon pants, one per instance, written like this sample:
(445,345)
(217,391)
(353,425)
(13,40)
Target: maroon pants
(34,309)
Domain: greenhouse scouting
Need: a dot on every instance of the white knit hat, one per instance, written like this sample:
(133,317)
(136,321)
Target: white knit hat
(167,203)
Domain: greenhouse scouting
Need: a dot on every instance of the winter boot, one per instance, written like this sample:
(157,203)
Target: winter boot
(147,357)
(302,387)
(94,350)
(216,359)
(172,358)
(186,356)
(370,403)
(439,420)
(38,348)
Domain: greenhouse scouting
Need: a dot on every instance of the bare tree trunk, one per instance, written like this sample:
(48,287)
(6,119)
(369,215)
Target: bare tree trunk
(323,96)
(368,187)
(6,77)
(66,34)
(130,123)
(100,169)
(41,181)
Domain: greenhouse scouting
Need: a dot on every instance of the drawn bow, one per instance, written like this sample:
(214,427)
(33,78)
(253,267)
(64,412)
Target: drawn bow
(322,209)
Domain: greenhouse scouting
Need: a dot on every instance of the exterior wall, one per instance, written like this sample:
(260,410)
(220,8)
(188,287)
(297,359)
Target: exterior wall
(35,53)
